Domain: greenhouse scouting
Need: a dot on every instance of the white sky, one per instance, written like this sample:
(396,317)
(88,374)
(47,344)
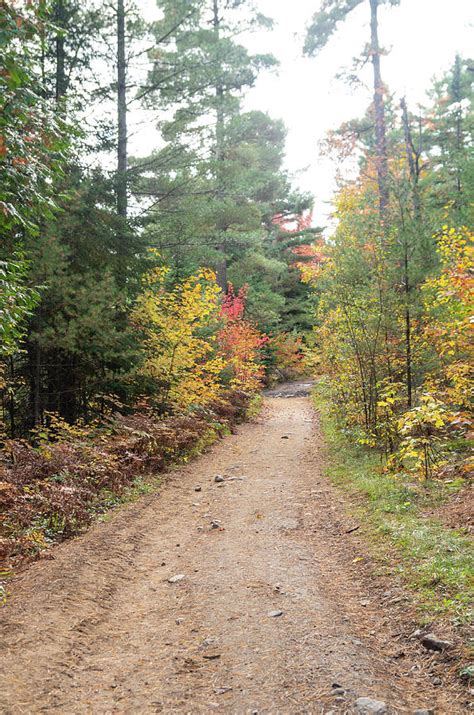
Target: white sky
(422,37)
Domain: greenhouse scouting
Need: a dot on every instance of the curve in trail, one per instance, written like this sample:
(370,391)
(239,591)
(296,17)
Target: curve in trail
(266,619)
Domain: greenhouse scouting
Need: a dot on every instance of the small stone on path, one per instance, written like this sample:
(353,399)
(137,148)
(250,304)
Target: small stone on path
(175,579)
(368,706)
(219,478)
(197,488)
(275,614)
(431,642)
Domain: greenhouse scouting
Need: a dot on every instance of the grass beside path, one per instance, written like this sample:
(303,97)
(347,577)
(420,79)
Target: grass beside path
(434,560)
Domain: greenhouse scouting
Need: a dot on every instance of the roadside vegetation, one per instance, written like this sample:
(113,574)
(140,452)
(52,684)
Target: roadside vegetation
(402,519)
(392,295)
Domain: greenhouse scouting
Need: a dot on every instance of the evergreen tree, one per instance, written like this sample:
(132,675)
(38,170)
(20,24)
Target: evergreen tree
(198,76)
(322,27)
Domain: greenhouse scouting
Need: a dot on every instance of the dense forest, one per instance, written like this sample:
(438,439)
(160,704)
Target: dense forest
(145,300)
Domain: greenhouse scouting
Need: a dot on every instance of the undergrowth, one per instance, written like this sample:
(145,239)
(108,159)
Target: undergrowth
(432,559)
(53,491)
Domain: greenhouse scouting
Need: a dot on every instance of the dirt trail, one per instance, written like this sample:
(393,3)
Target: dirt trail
(99,629)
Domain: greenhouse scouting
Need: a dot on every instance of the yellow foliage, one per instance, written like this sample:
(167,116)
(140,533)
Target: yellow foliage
(178,326)
(449,307)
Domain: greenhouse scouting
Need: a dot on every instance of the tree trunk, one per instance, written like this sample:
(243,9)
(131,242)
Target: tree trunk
(457,97)
(60,22)
(408,365)
(413,158)
(122,158)
(221,269)
(11,402)
(379,109)
(37,386)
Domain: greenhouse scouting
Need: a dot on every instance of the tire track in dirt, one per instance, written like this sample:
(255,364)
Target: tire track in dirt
(99,629)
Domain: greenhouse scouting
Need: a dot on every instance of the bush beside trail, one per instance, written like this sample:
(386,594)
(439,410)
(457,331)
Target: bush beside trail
(51,491)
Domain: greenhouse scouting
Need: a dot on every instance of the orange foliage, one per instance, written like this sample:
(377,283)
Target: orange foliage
(240,342)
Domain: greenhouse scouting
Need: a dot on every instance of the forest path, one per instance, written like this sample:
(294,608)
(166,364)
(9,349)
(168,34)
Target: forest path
(99,629)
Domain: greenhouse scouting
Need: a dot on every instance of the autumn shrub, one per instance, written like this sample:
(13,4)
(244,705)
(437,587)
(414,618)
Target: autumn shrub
(240,343)
(399,363)
(201,365)
(50,491)
(178,330)
(195,341)
(447,328)
(444,410)
(422,430)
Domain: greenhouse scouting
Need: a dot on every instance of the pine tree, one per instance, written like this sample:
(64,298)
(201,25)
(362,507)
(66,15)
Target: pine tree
(322,27)
(198,76)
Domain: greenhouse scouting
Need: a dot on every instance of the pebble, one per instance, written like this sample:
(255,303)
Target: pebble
(197,488)
(432,642)
(219,478)
(368,706)
(423,712)
(207,642)
(275,614)
(175,579)
(221,691)
(215,524)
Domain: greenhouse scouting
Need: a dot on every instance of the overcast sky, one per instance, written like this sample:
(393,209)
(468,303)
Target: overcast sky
(421,36)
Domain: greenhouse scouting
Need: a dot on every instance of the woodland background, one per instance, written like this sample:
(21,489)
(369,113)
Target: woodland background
(144,301)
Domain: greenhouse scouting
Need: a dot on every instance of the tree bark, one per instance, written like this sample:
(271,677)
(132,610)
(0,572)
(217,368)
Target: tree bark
(413,159)
(122,156)
(37,386)
(221,269)
(379,109)
(60,78)
(408,351)
(11,402)
(457,96)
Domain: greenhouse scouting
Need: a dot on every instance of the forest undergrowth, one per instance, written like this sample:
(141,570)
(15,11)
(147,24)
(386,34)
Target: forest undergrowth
(401,519)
